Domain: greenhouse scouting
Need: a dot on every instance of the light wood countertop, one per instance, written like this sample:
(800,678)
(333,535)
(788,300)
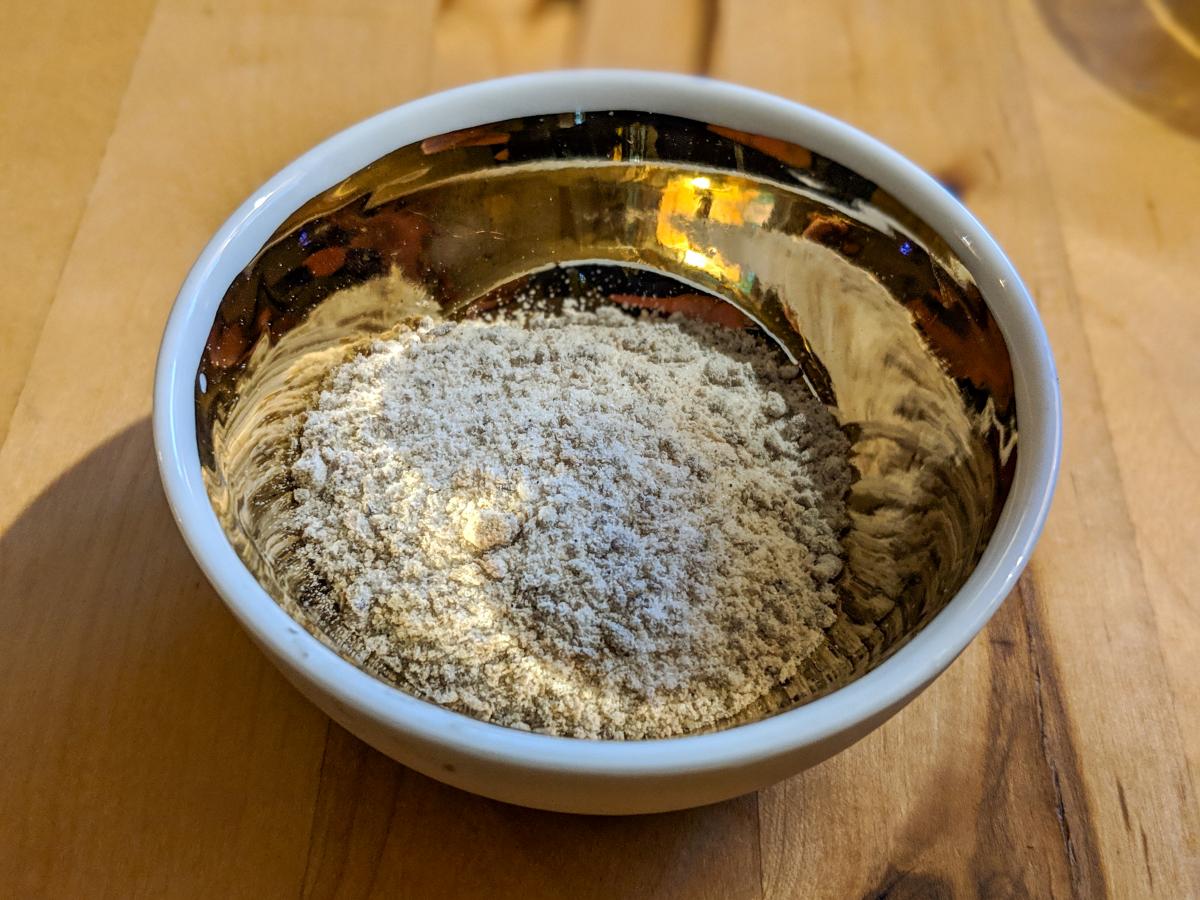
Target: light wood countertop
(147,748)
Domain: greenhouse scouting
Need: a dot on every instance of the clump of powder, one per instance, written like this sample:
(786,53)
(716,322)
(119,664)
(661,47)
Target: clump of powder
(589,524)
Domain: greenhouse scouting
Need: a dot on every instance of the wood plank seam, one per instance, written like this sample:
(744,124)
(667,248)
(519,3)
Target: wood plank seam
(710,19)
(316,808)
(1080,840)
(1127,520)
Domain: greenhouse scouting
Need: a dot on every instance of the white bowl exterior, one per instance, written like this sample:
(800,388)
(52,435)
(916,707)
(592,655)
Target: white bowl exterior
(582,775)
(594,791)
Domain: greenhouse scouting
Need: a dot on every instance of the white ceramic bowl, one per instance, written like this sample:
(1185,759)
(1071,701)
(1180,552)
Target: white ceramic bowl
(605,776)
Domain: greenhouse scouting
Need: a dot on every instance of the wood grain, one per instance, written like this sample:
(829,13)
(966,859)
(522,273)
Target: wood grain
(1127,188)
(151,749)
(56,114)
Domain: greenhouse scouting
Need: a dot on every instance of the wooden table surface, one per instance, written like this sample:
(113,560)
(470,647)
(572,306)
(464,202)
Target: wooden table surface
(148,749)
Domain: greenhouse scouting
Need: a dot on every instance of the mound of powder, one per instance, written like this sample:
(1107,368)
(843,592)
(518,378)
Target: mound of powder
(591,524)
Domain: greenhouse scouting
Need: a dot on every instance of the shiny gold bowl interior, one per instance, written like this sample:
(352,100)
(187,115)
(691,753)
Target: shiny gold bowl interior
(653,211)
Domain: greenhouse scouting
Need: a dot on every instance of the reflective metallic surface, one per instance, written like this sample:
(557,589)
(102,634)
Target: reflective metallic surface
(656,212)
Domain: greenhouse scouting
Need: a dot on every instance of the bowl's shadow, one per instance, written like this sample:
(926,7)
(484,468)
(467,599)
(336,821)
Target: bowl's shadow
(139,717)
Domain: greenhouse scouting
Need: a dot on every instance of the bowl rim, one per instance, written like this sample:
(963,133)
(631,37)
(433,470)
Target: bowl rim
(865,701)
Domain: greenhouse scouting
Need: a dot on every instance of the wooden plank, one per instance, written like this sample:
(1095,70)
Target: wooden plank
(63,70)
(1127,187)
(946,87)
(1127,183)
(153,749)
